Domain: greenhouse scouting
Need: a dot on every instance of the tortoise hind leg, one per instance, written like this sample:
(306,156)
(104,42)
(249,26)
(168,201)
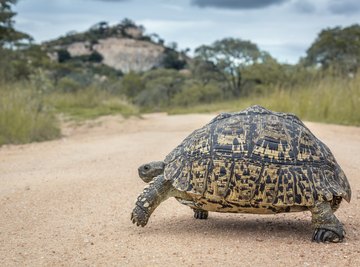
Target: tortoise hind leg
(201,214)
(327,227)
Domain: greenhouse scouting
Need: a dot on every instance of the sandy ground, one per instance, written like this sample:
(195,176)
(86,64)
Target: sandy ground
(68,202)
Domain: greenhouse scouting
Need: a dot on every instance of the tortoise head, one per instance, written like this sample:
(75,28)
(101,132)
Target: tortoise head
(150,170)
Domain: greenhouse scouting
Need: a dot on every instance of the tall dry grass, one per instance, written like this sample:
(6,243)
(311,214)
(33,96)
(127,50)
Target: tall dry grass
(90,103)
(28,114)
(330,100)
(24,117)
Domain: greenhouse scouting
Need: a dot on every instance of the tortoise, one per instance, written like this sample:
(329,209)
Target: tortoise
(252,161)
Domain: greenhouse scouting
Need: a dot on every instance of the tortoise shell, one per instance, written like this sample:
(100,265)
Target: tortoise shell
(255,158)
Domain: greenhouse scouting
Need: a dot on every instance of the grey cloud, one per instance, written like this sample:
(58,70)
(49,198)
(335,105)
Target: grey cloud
(304,6)
(344,6)
(238,4)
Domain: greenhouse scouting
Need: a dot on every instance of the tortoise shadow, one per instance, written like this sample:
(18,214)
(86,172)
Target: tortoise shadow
(233,227)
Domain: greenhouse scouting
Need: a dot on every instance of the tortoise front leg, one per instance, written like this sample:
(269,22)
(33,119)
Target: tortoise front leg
(327,226)
(156,192)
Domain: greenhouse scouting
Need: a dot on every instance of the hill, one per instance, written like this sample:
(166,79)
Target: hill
(123,47)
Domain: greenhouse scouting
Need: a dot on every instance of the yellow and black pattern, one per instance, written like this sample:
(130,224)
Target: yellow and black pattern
(255,160)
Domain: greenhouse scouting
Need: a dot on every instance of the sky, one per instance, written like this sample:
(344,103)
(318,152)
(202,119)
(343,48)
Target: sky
(284,28)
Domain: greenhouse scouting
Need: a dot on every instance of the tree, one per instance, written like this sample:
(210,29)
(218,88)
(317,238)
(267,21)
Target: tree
(126,22)
(100,27)
(172,60)
(63,55)
(8,35)
(337,48)
(95,57)
(161,85)
(205,71)
(230,56)
(262,75)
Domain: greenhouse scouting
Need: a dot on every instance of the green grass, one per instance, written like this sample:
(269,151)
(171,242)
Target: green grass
(90,103)
(24,117)
(28,116)
(331,100)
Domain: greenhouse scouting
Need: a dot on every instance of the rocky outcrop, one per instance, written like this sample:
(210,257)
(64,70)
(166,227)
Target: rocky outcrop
(130,54)
(122,47)
(123,54)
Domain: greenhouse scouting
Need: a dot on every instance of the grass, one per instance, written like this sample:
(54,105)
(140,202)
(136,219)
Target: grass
(90,103)
(331,100)
(28,116)
(23,116)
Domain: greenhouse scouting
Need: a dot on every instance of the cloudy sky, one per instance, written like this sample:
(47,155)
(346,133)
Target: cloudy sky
(285,28)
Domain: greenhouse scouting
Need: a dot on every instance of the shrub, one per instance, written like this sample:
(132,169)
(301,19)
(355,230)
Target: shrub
(90,103)
(63,55)
(24,117)
(161,86)
(131,85)
(67,84)
(198,94)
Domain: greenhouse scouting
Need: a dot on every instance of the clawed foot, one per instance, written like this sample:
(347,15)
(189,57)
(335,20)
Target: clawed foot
(326,235)
(201,214)
(139,216)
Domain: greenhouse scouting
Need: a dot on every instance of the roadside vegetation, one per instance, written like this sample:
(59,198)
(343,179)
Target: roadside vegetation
(330,100)
(227,75)
(24,116)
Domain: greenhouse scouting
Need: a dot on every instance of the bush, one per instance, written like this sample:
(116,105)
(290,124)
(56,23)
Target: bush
(90,103)
(67,85)
(63,55)
(24,117)
(172,60)
(198,94)
(161,86)
(131,84)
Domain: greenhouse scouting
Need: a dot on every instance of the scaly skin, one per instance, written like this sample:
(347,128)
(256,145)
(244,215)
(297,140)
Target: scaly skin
(327,227)
(150,170)
(147,172)
(156,192)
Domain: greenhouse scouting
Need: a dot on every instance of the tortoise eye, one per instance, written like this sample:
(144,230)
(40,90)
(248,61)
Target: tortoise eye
(146,167)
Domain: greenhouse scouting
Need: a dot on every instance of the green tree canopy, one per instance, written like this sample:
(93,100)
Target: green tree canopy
(230,56)
(161,85)
(173,60)
(8,35)
(336,47)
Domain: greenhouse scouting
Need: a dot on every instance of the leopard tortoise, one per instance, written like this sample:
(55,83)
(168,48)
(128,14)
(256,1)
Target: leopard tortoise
(252,161)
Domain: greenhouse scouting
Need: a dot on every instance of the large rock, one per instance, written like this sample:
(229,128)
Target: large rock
(123,54)
(130,54)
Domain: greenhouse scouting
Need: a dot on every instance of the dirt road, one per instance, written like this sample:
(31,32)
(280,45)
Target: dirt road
(68,202)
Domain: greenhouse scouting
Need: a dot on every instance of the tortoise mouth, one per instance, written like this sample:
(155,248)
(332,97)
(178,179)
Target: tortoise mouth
(146,179)
(144,175)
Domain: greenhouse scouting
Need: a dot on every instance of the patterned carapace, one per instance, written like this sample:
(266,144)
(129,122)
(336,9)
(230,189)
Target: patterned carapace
(255,161)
